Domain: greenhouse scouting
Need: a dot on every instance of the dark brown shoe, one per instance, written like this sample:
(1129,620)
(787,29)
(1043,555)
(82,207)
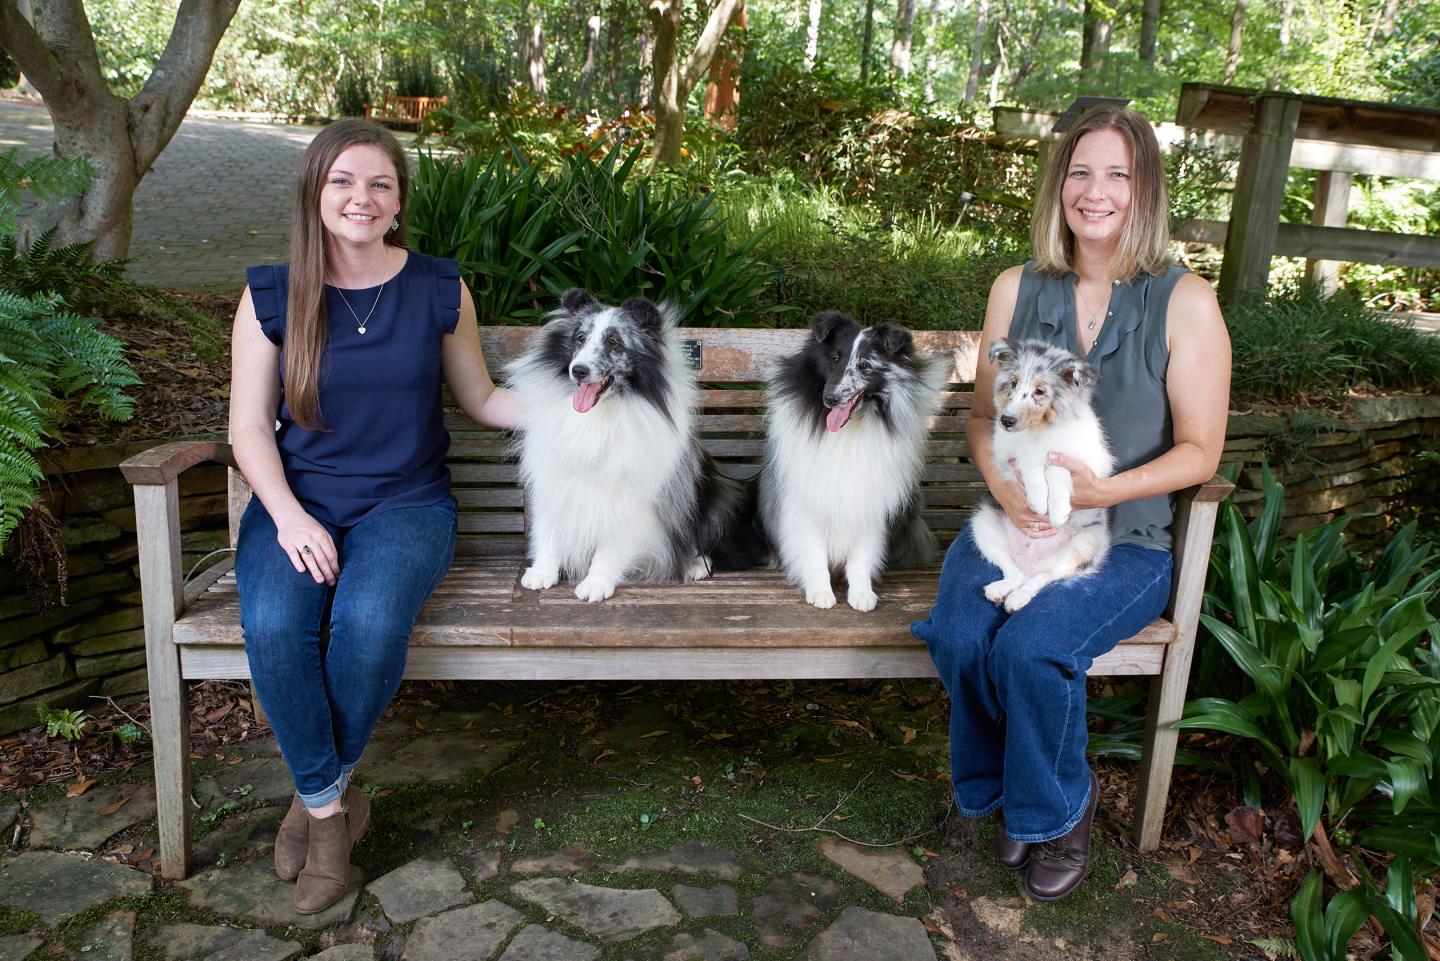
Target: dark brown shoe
(1057,867)
(1012,854)
(326,876)
(291,842)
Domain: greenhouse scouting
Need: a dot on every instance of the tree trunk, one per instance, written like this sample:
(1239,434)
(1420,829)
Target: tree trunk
(812,34)
(1001,63)
(587,69)
(614,43)
(646,96)
(120,139)
(1387,18)
(867,41)
(1237,36)
(1095,43)
(722,93)
(1149,28)
(904,37)
(532,49)
(932,24)
(673,82)
(977,51)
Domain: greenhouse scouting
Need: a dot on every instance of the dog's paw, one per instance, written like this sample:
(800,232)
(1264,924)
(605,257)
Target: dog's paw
(699,568)
(997,591)
(821,597)
(594,589)
(861,598)
(1018,598)
(536,579)
(1036,501)
(1059,516)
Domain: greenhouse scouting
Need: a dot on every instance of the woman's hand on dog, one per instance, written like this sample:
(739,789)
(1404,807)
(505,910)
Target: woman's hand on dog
(1011,497)
(1088,488)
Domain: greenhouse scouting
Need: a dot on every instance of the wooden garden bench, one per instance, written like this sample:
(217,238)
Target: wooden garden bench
(403,111)
(482,625)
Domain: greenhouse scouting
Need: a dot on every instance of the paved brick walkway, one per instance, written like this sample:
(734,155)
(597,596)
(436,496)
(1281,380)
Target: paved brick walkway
(217,200)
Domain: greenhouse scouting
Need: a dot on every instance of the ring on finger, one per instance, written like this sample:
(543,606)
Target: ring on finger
(305,549)
(1034,528)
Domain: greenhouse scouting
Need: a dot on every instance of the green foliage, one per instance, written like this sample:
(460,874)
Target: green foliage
(1340,693)
(353,91)
(1322,931)
(415,77)
(522,236)
(44,177)
(129,733)
(9,73)
(1298,345)
(910,270)
(59,722)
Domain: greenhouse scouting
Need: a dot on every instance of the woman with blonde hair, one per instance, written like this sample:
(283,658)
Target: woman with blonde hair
(1101,285)
(336,422)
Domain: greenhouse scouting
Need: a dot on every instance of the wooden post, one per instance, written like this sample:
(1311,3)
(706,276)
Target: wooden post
(157,525)
(1259,192)
(1044,150)
(1332,203)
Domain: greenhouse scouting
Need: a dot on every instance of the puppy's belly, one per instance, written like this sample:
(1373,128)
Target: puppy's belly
(1032,553)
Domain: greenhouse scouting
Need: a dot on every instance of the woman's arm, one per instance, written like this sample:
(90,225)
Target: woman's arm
(1197,381)
(469,379)
(254,399)
(980,427)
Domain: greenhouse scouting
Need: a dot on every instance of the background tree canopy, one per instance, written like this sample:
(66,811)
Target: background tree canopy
(326,57)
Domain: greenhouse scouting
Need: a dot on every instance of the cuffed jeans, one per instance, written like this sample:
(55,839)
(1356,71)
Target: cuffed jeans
(1017,681)
(324,703)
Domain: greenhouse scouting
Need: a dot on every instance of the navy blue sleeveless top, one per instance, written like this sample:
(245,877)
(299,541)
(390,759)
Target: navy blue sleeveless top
(1132,356)
(383,441)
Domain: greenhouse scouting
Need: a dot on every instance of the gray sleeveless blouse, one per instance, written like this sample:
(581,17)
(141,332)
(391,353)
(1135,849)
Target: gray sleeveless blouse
(1131,356)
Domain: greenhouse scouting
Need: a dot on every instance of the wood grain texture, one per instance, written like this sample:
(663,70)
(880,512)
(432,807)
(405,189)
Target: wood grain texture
(162,464)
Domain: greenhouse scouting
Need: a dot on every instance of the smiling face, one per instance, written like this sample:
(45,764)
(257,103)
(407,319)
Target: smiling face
(360,196)
(1097,191)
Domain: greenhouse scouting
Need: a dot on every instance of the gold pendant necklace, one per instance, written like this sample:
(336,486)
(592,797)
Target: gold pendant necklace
(360,328)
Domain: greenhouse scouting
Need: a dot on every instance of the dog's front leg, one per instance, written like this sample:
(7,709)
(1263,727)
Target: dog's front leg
(862,567)
(1032,478)
(1061,486)
(544,570)
(802,550)
(607,570)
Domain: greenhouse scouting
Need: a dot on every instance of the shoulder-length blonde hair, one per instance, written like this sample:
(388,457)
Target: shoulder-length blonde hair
(306,323)
(1146,236)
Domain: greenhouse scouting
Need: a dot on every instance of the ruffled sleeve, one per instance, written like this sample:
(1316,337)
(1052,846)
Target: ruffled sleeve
(447,281)
(268,292)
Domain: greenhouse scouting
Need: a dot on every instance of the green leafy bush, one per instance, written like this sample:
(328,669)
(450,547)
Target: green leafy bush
(60,722)
(1340,689)
(353,90)
(523,235)
(1298,346)
(1322,931)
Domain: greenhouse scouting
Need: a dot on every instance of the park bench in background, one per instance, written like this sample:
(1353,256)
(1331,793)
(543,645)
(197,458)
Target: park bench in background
(403,111)
(481,625)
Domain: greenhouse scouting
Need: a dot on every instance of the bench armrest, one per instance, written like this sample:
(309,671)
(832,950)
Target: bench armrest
(1213,491)
(160,465)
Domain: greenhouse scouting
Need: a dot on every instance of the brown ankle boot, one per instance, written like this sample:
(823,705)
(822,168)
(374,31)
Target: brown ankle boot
(1057,867)
(1012,854)
(327,860)
(291,842)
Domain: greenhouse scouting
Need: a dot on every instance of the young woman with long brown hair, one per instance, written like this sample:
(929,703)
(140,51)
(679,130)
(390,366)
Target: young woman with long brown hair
(1101,286)
(336,421)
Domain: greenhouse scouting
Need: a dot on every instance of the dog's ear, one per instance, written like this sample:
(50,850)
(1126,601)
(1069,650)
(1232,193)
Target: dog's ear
(1003,351)
(894,340)
(824,324)
(577,299)
(1077,373)
(646,314)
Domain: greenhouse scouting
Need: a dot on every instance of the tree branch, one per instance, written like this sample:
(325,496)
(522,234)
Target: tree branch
(698,63)
(156,111)
(30,53)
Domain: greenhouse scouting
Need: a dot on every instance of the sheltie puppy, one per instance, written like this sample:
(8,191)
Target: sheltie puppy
(846,426)
(1042,404)
(618,486)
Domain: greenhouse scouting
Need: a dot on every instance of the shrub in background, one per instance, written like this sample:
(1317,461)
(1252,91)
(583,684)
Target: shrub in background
(523,235)
(353,91)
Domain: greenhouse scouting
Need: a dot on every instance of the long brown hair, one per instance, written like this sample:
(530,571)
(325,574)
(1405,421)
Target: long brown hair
(1144,240)
(306,324)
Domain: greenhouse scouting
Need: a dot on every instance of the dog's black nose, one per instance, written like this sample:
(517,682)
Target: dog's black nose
(579,371)
(1007,421)
(832,400)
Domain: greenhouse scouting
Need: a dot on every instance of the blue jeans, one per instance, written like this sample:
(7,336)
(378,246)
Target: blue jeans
(323,700)
(1017,681)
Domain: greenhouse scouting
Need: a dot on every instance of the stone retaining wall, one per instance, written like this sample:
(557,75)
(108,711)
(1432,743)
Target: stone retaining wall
(94,646)
(1362,463)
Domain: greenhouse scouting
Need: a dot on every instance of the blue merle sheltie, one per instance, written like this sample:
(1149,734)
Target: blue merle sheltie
(846,427)
(618,486)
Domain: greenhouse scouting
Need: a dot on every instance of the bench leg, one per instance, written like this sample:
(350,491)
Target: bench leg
(1167,702)
(157,514)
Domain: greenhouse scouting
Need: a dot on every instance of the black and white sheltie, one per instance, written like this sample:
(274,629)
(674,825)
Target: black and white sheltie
(1042,404)
(845,444)
(619,488)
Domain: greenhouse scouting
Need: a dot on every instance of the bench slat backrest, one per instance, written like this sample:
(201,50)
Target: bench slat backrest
(733,365)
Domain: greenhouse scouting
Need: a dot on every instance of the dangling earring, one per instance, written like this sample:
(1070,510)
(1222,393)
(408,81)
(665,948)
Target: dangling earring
(395,223)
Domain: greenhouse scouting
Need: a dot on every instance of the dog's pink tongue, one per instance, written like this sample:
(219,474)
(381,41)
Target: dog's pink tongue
(840,416)
(585,396)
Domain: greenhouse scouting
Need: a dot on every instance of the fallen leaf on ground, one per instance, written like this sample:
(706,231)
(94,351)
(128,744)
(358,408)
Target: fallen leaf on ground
(1127,879)
(605,753)
(1245,825)
(1217,938)
(110,809)
(80,787)
(652,734)
(909,733)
